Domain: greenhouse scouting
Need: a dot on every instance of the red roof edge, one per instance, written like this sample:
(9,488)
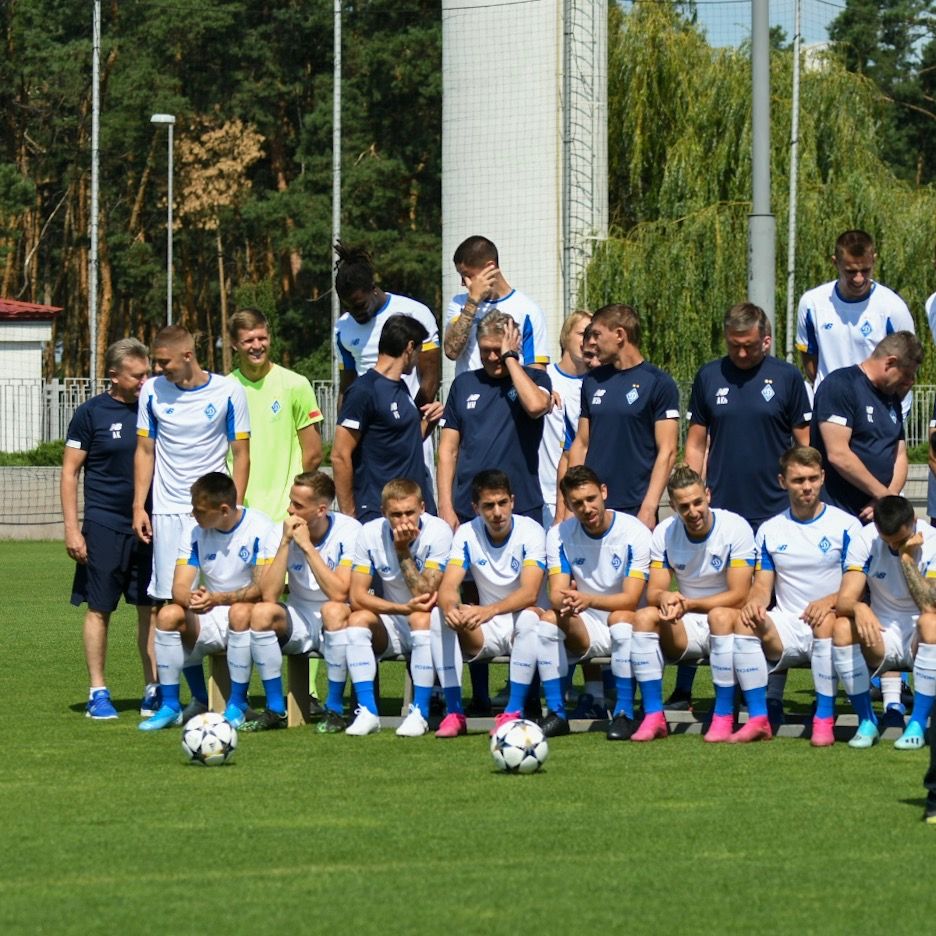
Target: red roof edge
(12,310)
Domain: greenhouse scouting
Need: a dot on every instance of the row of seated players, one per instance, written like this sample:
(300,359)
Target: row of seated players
(696,588)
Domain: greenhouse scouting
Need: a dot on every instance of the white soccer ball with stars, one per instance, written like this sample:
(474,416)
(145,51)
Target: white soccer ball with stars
(519,747)
(209,740)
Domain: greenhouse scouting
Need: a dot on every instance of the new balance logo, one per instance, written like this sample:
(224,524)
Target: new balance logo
(115,430)
(869,412)
(395,410)
(721,396)
(596,399)
(472,400)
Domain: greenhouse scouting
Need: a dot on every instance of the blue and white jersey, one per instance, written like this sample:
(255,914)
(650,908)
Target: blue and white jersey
(752,411)
(559,426)
(226,560)
(807,557)
(890,597)
(600,564)
(700,566)
(496,567)
(534,341)
(336,548)
(375,554)
(357,343)
(192,430)
(930,308)
(848,398)
(622,408)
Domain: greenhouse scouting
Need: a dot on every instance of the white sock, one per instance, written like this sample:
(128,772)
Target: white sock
(421,668)
(621,640)
(825,681)
(721,660)
(238,656)
(852,669)
(266,654)
(551,659)
(890,690)
(525,649)
(446,652)
(646,657)
(170,657)
(750,664)
(335,645)
(94,689)
(924,670)
(362,664)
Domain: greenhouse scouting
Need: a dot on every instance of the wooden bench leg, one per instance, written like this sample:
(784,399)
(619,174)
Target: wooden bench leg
(297,690)
(219,682)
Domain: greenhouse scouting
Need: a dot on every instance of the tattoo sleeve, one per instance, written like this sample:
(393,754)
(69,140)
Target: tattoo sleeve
(922,592)
(411,576)
(456,335)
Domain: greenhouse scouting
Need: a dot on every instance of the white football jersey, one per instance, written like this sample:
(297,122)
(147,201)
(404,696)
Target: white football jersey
(699,566)
(226,559)
(599,564)
(375,554)
(559,426)
(890,597)
(807,558)
(336,549)
(496,568)
(930,308)
(534,342)
(192,430)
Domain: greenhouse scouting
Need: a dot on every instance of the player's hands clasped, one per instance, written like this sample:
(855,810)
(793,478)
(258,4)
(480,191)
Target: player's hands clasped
(574,601)
(817,611)
(424,602)
(202,600)
(672,606)
(753,615)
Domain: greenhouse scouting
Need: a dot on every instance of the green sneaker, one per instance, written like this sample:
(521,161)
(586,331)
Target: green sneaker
(332,723)
(866,736)
(267,721)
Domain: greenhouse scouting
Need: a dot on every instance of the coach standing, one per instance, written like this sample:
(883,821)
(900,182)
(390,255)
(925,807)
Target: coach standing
(111,561)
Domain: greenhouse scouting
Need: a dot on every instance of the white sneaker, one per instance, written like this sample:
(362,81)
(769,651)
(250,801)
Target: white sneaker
(414,725)
(365,723)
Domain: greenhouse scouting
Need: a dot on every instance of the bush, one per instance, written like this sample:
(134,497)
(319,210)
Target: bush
(44,455)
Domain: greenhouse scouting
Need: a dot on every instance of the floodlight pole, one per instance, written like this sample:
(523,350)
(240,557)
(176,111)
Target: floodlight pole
(95,176)
(168,120)
(336,184)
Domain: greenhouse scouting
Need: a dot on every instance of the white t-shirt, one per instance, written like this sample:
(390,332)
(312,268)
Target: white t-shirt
(700,566)
(534,342)
(375,554)
(336,549)
(192,430)
(599,564)
(806,557)
(226,559)
(559,426)
(496,569)
(931,314)
(890,597)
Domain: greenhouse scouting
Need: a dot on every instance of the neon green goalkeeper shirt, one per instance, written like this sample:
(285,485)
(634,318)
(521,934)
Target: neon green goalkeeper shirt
(280,404)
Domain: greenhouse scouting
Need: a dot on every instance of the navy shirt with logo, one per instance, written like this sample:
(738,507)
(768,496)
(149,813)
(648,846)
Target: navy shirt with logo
(496,432)
(623,408)
(848,398)
(391,442)
(750,416)
(105,428)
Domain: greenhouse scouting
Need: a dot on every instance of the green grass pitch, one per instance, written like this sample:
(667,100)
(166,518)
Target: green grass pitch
(106,830)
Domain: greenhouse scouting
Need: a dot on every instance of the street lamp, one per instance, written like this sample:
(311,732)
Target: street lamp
(168,120)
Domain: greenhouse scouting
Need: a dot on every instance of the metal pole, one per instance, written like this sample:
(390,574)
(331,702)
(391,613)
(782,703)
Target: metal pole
(336,182)
(95,157)
(761,223)
(169,238)
(794,171)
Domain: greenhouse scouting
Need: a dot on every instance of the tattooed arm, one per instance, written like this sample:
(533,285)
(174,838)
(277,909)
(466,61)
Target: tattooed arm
(922,591)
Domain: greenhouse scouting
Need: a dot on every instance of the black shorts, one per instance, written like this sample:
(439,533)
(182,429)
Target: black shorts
(118,564)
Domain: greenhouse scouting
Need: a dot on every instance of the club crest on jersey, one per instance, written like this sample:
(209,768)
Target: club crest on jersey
(893,415)
(824,544)
(385,569)
(632,395)
(721,396)
(865,328)
(331,564)
(512,394)
(869,412)
(616,561)
(244,553)
(211,411)
(767,392)
(717,563)
(297,567)
(419,562)
(276,407)
(472,400)
(356,342)
(596,399)
(481,562)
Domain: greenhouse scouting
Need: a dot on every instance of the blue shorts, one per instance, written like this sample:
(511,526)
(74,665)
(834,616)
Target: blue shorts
(118,564)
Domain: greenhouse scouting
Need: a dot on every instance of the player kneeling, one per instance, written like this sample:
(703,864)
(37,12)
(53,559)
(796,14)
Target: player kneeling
(800,556)
(228,549)
(406,549)
(314,556)
(709,554)
(893,558)
(507,558)
(598,562)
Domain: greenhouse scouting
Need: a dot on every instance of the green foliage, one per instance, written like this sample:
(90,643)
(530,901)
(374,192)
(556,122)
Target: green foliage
(44,455)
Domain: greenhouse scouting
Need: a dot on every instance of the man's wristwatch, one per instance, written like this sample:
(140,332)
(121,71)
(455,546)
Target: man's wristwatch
(510,354)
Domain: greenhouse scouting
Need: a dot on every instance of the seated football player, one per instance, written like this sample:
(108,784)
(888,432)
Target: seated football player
(708,553)
(895,559)
(406,550)
(506,555)
(799,554)
(226,553)
(314,556)
(598,561)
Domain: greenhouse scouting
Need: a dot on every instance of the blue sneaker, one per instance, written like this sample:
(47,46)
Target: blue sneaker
(234,715)
(100,707)
(152,700)
(166,717)
(866,736)
(912,739)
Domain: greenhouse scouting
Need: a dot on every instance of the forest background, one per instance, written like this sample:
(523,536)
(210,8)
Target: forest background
(250,83)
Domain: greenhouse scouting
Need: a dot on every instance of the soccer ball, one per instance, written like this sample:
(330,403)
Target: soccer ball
(519,747)
(209,740)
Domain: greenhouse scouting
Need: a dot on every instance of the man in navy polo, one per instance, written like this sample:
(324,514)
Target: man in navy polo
(380,430)
(111,561)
